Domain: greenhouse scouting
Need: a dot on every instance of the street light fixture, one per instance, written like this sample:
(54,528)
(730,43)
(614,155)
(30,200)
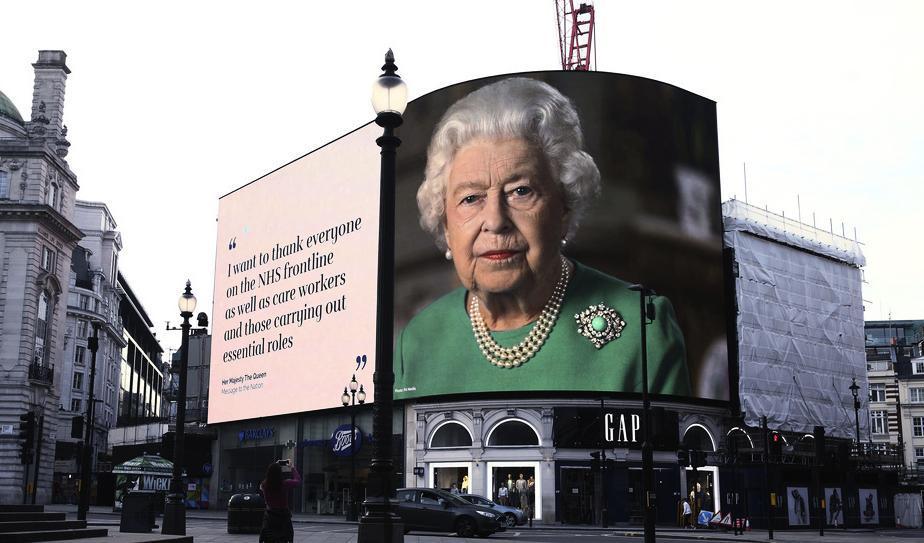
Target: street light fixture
(855,390)
(389,98)
(350,400)
(86,464)
(175,506)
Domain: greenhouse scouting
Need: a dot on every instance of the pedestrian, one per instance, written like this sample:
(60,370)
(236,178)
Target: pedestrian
(687,514)
(277,519)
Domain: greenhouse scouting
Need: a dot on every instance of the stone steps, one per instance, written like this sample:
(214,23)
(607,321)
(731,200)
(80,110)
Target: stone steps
(54,535)
(28,523)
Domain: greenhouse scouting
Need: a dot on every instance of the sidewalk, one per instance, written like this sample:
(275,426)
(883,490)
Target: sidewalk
(755,536)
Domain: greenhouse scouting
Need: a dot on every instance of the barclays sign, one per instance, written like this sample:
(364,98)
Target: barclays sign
(255,434)
(341,443)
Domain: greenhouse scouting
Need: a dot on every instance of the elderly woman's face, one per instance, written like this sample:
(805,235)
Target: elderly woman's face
(505,216)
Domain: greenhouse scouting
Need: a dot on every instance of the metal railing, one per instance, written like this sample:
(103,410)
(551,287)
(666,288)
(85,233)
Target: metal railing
(41,373)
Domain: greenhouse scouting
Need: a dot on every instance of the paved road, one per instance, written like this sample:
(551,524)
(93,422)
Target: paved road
(214,530)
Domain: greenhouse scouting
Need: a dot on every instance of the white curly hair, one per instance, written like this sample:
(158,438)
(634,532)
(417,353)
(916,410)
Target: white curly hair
(512,108)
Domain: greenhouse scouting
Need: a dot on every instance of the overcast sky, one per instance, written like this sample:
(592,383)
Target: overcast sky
(173,105)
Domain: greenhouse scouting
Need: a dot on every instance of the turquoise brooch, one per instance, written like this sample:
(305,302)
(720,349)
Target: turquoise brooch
(600,324)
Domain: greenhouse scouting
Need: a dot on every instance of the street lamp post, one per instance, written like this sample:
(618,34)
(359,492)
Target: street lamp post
(389,98)
(350,400)
(646,312)
(175,506)
(86,463)
(855,390)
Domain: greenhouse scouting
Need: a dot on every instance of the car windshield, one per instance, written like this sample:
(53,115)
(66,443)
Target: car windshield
(451,498)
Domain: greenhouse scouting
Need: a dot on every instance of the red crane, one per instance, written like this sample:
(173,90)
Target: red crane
(575,34)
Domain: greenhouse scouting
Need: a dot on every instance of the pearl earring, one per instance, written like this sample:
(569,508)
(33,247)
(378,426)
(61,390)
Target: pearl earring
(448,254)
(564,242)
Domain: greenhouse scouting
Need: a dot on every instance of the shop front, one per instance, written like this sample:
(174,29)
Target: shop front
(322,447)
(544,456)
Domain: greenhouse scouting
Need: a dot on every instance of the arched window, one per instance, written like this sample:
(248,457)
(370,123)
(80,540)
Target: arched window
(42,327)
(697,437)
(451,434)
(513,433)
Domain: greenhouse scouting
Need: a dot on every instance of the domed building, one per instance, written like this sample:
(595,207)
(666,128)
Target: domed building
(37,237)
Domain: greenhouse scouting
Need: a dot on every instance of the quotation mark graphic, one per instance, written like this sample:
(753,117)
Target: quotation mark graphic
(361,361)
(232,244)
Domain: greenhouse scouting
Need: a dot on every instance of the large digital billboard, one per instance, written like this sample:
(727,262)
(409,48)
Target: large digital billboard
(295,292)
(526,208)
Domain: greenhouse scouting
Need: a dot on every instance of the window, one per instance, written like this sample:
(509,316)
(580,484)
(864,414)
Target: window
(41,329)
(48,259)
(78,381)
(80,355)
(513,433)
(406,496)
(429,498)
(919,454)
(114,270)
(75,405)
(916,395)
(83,329)
(877,422)
(84,302)
(4,185)
(877,392)
(451,434)
(918,367)
(917,426)
(51,198)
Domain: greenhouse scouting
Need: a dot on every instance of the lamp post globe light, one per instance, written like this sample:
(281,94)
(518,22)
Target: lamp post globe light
(350,400)
(855,390)
(175,506)
(379,523)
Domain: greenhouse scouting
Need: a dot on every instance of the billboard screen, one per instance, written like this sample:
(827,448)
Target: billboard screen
(526,208)
(295,276)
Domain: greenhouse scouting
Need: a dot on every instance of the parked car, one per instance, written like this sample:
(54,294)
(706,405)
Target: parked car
(434,510)
(513,516)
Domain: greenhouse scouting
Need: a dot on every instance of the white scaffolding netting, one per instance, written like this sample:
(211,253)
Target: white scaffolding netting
(800,322)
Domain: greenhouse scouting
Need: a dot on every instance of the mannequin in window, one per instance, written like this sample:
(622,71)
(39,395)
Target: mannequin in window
(465,484)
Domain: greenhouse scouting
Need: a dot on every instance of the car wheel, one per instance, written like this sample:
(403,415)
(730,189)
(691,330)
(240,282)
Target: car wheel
(510,520)
(465,527)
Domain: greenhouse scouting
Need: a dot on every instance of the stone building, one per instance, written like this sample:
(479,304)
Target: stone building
(37,238)
(94,298)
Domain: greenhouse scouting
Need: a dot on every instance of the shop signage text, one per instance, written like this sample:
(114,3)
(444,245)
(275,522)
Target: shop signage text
(592,428)
(342,444)
(621,428)
(255,434)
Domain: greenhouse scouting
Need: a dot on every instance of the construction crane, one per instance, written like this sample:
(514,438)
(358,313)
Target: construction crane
(575,34)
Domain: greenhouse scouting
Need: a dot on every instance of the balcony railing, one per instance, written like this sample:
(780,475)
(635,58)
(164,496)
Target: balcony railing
(41,373)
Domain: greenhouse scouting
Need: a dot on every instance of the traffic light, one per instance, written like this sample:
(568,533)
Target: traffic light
(776,447)
(27,435)
(683,458)
(820,449)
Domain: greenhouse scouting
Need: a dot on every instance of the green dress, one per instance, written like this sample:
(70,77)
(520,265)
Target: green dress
(436,353)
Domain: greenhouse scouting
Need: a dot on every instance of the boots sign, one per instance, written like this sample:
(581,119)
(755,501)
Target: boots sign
(591,428)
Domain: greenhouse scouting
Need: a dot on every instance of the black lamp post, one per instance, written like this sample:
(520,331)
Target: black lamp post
(350,400)
(379,523)
(646,313)
(86,460)
(855,390)
(175,505)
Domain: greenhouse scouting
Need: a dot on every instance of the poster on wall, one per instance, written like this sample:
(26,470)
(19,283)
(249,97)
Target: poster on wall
(527,206)
(869,506)
(834,506)
(797,500)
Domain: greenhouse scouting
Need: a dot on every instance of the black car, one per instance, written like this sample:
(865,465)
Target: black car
(433,510)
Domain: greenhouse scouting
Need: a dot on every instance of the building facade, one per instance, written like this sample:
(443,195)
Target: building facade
(37,238)
(94,298)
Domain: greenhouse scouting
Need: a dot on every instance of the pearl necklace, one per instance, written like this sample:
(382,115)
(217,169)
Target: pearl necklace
(512,357)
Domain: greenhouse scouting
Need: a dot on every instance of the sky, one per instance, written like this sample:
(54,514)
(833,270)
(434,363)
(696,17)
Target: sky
(171,105)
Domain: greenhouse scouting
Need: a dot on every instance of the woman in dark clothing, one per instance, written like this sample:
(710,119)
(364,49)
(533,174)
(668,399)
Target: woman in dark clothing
(277,519)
